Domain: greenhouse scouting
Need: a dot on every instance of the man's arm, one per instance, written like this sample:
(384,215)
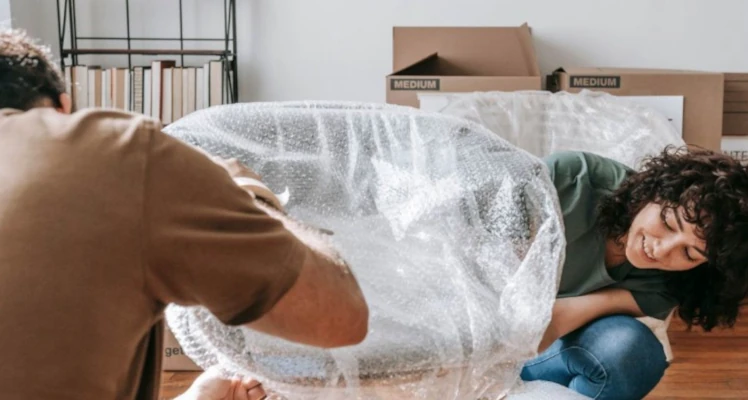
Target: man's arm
(210,243)
(571,313)
(325,307)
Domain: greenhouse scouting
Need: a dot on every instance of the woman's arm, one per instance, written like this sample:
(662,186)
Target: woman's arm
(572,313)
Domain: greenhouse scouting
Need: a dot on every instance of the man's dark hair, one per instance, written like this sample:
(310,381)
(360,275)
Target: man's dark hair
(712,188)
(28,77)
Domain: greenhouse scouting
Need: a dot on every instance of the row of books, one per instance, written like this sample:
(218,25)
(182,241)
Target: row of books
(161,90)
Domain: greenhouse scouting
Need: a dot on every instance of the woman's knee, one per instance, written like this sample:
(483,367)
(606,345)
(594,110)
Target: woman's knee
(631,355)
(621,336)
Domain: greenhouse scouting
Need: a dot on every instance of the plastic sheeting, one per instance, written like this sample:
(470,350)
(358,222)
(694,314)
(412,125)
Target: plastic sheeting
(542,390)
(543,123)
(454,235)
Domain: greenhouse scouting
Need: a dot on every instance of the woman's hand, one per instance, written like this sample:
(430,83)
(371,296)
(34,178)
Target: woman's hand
(571,313)
(212,386)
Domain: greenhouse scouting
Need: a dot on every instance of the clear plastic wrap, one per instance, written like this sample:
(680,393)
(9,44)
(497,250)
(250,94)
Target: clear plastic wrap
(452,231)
(454,235)
(542,390)
(542,123)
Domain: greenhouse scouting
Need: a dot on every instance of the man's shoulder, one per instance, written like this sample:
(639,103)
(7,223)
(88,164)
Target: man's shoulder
(113,121)
(48,121)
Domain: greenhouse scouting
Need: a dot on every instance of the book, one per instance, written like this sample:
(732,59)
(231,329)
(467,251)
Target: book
(176,93)
(216,83)
(199,88)
(167,92)
(137,89)
(118,88)
(162,90)
(189,81)
(106,88)
(206,85)
(94,87)
(80,87)
(147,110)
(157,87)
(128,89)
(69,81)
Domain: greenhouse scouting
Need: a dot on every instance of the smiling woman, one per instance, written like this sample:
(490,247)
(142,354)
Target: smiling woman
(685,213)
(641,244)
(659,239)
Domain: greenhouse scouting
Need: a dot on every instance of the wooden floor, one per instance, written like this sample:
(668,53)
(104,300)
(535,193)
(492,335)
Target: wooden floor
(705,366)
(175,383)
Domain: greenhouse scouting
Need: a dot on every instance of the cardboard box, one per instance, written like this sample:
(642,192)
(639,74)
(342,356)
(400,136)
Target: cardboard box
(735,123)
(736,106)
(737,147)
(460,59)
(703,94)
(736,86)
(735,118)
(736,76)
(736,96)
(174,358)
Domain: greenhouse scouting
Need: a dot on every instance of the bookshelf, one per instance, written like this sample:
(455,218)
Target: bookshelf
(223,51)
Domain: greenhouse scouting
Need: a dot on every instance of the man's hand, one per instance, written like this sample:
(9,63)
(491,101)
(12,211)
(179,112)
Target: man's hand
(235,168)
(211,386)
(249,181)
(325,307)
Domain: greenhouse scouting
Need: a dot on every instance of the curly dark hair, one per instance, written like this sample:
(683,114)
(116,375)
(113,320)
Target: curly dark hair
(27,74)
(713,190)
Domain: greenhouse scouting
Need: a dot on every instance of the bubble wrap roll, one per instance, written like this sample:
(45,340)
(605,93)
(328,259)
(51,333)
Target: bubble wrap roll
(543,123)
(454,235)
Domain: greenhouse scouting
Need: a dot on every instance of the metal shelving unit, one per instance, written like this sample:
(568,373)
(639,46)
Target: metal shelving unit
(67,25)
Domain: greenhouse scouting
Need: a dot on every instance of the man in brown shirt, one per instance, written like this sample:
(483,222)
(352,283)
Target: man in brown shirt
(104,220)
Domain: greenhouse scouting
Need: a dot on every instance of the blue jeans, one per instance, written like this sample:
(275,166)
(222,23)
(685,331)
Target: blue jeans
(614,357)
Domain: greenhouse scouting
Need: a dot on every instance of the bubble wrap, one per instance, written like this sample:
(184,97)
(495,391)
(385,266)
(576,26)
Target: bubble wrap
(454,235)
(543,123)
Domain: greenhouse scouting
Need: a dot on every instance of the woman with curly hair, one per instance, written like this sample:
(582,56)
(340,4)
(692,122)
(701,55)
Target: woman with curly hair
(641,244)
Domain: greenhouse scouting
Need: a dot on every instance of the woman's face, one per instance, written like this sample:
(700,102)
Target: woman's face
(664,240)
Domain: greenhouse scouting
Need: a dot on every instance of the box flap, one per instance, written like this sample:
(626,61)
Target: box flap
(627,71)
(467,51)
(525,37)
(425,66)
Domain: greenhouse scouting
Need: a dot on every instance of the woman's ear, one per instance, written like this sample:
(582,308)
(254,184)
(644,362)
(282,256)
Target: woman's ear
(67,104)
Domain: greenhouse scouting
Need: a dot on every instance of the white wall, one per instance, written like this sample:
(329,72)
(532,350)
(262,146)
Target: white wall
(341,49)
(38,17)
(5,21)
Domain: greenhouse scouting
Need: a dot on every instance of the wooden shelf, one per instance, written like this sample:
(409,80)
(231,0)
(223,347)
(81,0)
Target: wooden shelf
(175,52)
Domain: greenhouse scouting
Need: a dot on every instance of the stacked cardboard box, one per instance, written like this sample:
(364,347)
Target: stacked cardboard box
(702,94)
(735,121)
(441,60)
(735,116)
(429,63)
